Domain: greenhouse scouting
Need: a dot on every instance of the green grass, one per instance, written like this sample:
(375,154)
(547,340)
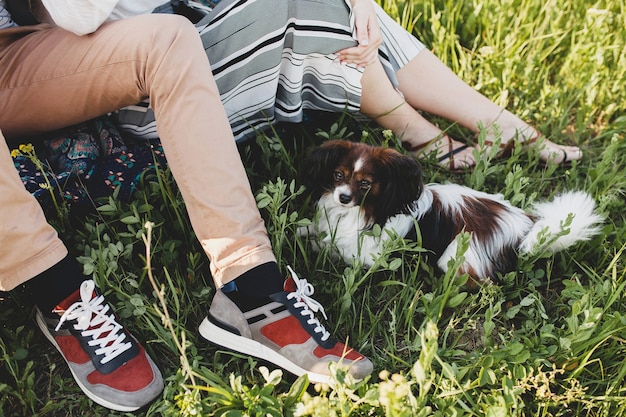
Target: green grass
(549,340)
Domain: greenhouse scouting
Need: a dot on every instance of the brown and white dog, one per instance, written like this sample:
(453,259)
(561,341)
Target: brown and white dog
(359,185)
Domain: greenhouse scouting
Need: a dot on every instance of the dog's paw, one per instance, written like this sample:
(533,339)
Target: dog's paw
(305,231)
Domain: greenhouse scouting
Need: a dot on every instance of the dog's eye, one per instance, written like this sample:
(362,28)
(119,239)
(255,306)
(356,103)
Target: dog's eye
(365,184)
(338,175)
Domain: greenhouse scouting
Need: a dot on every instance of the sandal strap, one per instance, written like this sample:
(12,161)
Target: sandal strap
(501,145)
(531,141)
(450,156)
(441,159)
(452,152)
(421,146)
(505,148)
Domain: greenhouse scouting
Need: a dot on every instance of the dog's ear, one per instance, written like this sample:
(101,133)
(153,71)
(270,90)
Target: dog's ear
(403,185)
(322,161)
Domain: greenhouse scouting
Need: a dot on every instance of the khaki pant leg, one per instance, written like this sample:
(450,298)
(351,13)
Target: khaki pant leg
(28,244)
(51,78)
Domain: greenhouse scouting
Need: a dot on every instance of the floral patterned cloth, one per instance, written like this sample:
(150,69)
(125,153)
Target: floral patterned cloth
(85,162)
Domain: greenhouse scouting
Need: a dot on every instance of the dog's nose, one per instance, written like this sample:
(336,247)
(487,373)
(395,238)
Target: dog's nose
(345,198)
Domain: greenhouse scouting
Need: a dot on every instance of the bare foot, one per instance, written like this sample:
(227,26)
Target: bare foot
(549,152)
(527,136)
(553,153)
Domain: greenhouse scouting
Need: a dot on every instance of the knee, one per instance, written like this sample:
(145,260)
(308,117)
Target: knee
(169,27)
(162,36)
(155,30)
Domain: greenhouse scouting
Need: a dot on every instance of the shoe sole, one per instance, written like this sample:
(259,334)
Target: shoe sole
(44,328)
(221,337)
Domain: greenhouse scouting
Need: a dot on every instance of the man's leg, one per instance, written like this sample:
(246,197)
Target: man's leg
(29,244)
(120,375)
(161,57)
(120,64)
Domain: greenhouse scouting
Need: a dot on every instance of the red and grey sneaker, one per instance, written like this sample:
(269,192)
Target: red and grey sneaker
(108,364)
(282,330)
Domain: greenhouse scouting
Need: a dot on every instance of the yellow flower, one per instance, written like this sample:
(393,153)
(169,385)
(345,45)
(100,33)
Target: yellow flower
(15,153)
(27,148)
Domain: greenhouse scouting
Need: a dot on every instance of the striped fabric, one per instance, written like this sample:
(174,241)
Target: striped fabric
(274,59)
(5,17)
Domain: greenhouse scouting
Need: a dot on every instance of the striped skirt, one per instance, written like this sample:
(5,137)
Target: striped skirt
(274,59)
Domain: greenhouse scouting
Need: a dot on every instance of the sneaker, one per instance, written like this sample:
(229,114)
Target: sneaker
(108,364)
(283,330)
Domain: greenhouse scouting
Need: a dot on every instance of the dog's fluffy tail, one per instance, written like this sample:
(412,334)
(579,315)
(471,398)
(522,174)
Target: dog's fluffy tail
(553,215)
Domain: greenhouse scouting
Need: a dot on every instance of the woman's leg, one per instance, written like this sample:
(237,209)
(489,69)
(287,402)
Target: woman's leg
(429,85)
(384,104)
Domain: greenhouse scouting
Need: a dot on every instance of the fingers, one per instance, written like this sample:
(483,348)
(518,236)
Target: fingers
(367,34)
(364,21)
(358,55)
(366,52)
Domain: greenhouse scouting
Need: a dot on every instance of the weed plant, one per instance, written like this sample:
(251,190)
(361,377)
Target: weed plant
(548,340)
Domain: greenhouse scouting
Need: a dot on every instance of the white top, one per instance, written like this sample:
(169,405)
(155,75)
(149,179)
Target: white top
(85,16)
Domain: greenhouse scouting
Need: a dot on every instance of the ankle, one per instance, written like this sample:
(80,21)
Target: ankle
(253,288)
(508,127)
(54,285)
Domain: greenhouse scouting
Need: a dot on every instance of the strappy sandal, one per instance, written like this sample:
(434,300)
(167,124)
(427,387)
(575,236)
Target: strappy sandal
(446,160)
(505,149)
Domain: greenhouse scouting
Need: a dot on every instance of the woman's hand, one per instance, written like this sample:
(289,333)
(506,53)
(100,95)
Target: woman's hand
(367,33)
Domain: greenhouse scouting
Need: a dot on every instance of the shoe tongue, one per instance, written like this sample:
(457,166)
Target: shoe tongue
(289,285)
(66,303)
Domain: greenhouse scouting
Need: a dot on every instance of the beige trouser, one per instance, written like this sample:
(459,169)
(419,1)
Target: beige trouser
(50,78)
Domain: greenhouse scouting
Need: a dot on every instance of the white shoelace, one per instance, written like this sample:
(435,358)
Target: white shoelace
(309,306)
(94,322)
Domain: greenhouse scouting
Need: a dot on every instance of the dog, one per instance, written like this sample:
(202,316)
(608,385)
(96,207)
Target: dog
(358,186)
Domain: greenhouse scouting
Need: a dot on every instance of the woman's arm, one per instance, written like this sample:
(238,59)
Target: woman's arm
(79,16)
